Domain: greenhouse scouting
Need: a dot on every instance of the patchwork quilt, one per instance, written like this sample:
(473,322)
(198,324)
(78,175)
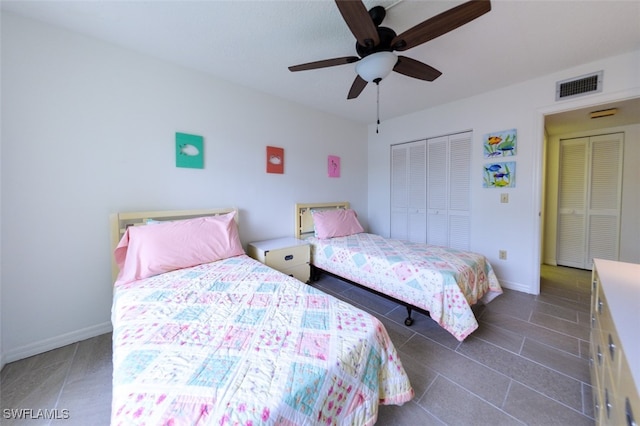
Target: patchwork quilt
(235,342)
(443,281)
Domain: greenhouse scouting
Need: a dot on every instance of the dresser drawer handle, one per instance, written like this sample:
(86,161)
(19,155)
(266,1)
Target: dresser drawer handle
(599,356)
(600,303)
(607,404)
(612,348)
(629,413)
(288,257)
(593,320)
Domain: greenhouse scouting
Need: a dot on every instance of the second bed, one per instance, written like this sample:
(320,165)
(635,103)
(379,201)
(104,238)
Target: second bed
(439,281)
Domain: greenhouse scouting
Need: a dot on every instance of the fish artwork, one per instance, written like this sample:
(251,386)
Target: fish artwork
(500,144)
(188,149)
(499,175)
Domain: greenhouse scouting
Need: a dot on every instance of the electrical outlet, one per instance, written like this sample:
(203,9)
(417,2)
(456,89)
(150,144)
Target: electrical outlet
(504,198)
(502,255)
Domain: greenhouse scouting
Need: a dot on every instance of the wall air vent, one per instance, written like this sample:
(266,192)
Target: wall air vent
(579,86)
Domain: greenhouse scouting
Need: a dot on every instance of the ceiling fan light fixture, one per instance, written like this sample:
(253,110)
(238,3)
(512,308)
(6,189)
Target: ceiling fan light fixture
(376,66)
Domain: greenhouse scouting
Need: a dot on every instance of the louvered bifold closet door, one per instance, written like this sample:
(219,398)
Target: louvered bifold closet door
(437,192)
(459,190)
(604,198)
(589,199)
(571,202)
(399,189)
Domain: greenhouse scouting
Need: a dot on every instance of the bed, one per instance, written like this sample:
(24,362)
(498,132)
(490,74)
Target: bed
(441,282)
(230,341)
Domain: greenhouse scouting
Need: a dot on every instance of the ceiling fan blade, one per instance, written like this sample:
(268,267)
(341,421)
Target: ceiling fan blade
(324,63)
(359,22)
(441,24)
(357,87)
(416,69)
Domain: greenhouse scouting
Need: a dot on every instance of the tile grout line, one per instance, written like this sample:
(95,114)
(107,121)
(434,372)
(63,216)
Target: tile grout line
(66,376)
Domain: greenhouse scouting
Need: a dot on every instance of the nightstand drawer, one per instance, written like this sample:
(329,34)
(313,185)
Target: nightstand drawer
(300,272)
(288,257)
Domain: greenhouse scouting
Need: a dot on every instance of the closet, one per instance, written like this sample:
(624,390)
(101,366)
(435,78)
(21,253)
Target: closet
(589,199)
(430,190)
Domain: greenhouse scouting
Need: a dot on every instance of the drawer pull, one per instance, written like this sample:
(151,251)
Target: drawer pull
(612,348)
(628,413)
(593,320)
(288,257)
(599,356)
(600,306)
(607,404)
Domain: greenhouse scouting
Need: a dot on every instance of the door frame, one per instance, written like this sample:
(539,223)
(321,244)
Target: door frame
(539,161)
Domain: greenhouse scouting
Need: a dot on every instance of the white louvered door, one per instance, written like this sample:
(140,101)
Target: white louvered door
(399,205)
(590,190)
(408,191)
(437,192)
(448,190)
(571,202)
(417,214)
(604,198)
(459,190)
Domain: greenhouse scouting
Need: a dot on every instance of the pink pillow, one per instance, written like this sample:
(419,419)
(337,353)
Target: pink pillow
(150,250)
(336,223)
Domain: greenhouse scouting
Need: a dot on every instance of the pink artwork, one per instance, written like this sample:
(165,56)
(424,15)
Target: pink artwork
(333,166)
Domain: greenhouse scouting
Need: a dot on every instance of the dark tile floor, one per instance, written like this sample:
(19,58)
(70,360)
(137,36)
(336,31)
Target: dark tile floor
(526,364)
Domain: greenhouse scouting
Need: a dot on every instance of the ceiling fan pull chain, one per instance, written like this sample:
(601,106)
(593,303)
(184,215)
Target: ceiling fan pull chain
(377,106)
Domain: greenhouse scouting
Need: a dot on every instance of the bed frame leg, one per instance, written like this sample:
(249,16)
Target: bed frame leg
(314,274)
(408,321)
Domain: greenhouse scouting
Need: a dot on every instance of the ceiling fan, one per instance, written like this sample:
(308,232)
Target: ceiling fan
(375,44)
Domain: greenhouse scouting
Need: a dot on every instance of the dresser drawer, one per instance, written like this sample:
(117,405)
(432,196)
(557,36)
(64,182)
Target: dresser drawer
(628,399)
(602,312)
(289,257)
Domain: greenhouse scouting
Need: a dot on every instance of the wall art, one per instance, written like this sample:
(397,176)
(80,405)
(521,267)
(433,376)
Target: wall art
(499,175)
(333,166)
(500,144)
(275,160)
(189,151)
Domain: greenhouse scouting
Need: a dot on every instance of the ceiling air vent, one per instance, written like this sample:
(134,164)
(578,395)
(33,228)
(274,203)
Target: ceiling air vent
(579,86)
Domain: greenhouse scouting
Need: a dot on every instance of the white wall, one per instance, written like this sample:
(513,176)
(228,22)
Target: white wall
(516,226)
(88,129)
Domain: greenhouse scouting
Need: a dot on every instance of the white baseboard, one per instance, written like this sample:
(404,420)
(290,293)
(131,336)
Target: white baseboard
(515,286)
(54,343)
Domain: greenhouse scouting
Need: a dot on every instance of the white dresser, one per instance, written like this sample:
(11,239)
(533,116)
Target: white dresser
(615,342)
(288,255)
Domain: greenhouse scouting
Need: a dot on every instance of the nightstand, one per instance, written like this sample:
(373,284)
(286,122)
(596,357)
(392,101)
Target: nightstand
(288,255)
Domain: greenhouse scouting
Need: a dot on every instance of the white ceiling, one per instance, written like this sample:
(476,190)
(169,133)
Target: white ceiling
(253,42)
